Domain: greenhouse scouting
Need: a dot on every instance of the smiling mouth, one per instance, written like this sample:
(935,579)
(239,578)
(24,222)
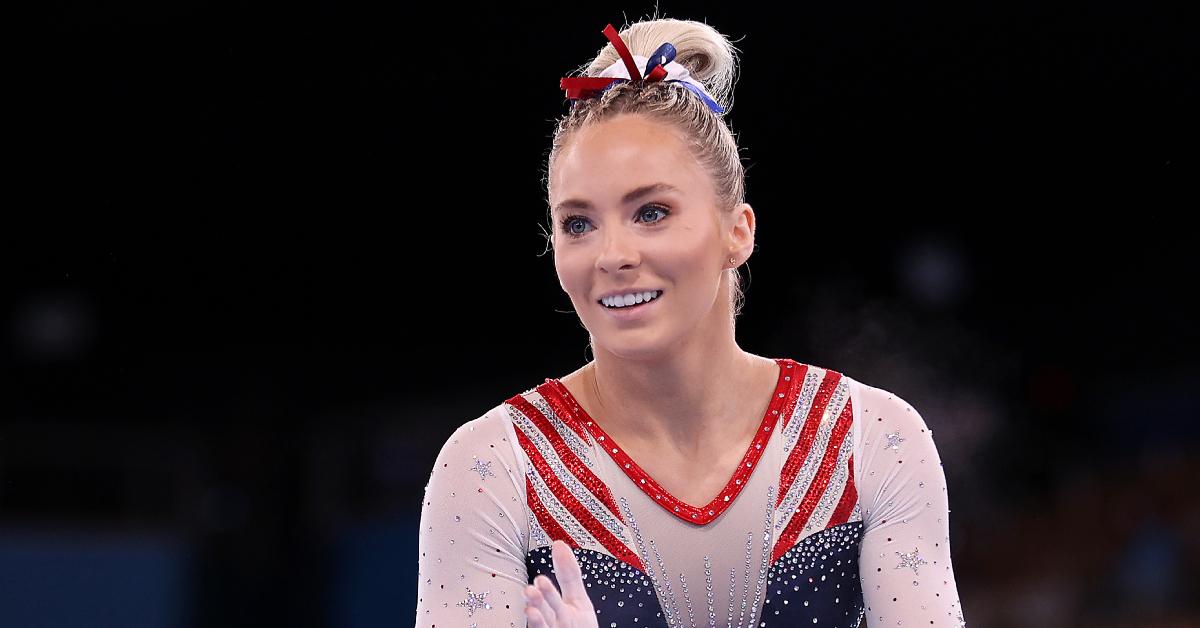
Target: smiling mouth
(657,295)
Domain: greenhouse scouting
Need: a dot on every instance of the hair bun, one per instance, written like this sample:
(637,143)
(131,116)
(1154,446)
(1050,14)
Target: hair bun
(708,55)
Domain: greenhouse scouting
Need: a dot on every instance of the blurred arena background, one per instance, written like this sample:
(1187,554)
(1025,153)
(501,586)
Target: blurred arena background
(264,259)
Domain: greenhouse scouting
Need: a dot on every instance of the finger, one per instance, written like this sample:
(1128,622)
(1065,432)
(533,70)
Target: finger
(570,576)
(551,595)
(538,601)
(535,618)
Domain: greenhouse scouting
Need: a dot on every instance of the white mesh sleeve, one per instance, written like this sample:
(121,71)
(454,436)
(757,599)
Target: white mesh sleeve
(907,576)
(474,526)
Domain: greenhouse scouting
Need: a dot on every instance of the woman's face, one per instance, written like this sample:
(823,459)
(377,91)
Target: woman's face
(632,211)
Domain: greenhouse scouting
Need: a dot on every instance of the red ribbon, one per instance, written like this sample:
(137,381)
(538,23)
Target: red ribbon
(588,86)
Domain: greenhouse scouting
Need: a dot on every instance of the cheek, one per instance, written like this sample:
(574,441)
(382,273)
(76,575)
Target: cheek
(572,272)
(688,262)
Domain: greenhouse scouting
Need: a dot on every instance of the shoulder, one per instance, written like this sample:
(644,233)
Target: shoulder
(877,399)
(891,434)
(480,456)
(514,425)
(488,436)
(883,407)
(817,375)
(481,429)
(823,390)
(824,381)
(874,410)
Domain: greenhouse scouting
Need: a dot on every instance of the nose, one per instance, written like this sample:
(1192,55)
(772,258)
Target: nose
(617,252)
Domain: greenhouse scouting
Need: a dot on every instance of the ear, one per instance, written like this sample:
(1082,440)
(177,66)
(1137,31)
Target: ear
(740,234)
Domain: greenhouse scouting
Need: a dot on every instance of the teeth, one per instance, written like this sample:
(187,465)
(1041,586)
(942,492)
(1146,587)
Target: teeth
(630,299)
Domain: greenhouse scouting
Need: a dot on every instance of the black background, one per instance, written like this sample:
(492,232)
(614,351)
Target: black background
(266,258)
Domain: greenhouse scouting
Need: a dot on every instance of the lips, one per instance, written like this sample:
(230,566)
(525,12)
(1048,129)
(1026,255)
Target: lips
(633,312)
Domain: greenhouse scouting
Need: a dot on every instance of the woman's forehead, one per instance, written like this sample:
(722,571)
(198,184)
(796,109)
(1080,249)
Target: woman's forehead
(615,163)
(627,133)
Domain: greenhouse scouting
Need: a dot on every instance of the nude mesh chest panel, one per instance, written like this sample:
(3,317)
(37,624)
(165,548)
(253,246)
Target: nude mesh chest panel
(777,547)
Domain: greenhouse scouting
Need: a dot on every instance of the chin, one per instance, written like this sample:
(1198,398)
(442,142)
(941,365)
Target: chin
(633,346)
(635,354)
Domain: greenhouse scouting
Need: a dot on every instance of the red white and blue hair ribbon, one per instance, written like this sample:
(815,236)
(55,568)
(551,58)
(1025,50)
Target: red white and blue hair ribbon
(582,87)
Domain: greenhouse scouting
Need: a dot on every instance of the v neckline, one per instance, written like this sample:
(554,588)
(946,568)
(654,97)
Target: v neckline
(784,385)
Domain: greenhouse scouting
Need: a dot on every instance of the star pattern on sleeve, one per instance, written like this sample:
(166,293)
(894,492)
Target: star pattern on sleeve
(474,602)
(893,440)
(483,468)
(911,559)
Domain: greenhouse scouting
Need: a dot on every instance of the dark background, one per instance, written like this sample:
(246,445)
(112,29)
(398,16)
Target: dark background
(264,259)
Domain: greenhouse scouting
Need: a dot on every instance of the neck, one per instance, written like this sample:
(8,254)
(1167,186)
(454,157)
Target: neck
(692,399)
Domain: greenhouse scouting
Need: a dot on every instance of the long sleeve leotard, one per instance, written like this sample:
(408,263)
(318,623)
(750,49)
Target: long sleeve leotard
(838,511)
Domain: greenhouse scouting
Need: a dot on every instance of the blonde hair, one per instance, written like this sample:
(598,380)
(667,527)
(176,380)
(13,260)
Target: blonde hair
(710,59)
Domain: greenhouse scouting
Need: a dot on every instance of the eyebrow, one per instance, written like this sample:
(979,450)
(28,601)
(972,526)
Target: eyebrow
(632,195)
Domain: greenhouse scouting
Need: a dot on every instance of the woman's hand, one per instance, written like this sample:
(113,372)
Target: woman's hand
(546,608)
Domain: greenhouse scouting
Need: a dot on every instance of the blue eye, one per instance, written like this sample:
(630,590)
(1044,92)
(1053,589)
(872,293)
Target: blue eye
(654,208)
(570,220)
(567,222)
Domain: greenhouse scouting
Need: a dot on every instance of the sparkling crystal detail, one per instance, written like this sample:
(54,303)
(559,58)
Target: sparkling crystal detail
(483,468)
(911,559)
(474,602)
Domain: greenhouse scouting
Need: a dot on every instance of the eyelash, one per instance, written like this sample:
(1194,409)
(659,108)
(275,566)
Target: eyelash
(565,222)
